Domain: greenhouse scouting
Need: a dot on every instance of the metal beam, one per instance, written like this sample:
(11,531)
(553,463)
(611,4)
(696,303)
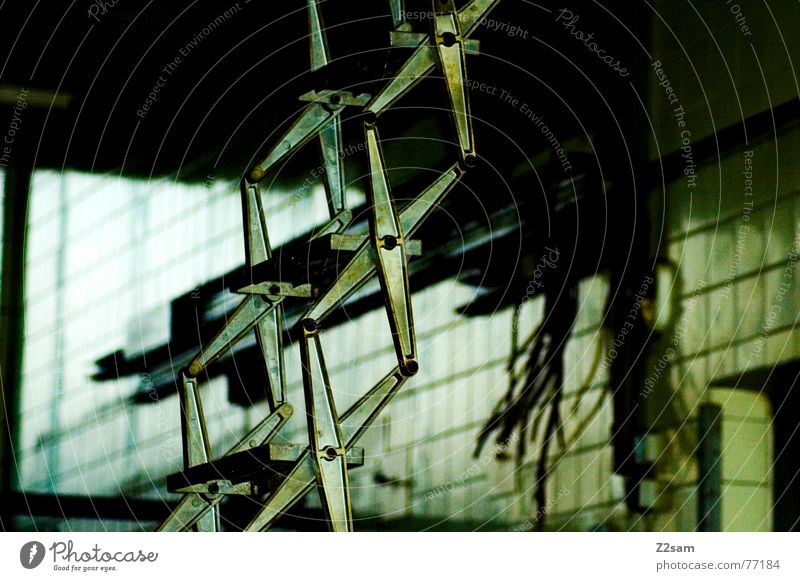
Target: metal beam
(709,486)
(16,199)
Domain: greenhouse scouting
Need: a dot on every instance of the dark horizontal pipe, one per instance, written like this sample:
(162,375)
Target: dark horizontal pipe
(66,506)
(147,511)
(729,138)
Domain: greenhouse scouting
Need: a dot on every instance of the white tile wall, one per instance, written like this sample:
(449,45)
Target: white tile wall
(426,437)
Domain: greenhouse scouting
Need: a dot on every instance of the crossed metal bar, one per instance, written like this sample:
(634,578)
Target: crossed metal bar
(323,463)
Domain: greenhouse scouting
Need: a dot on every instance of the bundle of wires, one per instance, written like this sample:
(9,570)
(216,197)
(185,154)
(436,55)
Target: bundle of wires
(535,391)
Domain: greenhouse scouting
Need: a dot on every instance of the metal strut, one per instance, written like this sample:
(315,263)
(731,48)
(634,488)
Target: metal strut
(446,47)
(389,245)
(201,497)
(326,443)
(269,331)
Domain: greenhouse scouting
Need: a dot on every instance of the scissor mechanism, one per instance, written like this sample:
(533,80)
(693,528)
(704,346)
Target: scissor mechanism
(285,473)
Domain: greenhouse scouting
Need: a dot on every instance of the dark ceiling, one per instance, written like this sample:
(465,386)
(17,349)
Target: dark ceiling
(237,85)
